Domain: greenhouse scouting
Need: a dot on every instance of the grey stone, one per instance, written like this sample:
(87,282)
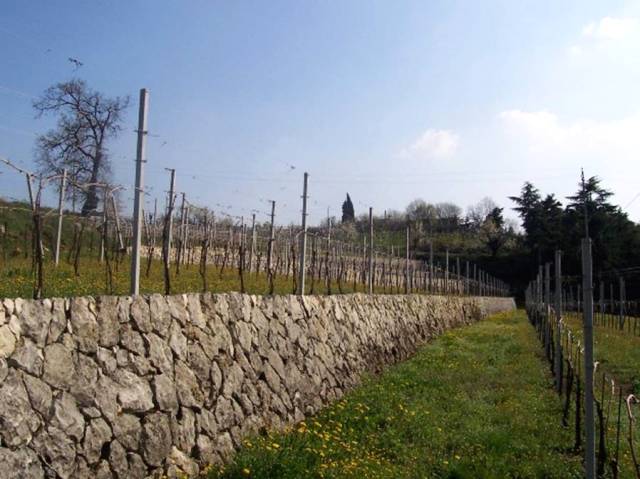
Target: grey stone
(15,326)
(21,463)
(85,326)
(40,394)
(67,417)
(216,379)
(272,378)
(243,334)
(156,438)
(160,316)
(127,429)
(122,358)
(7,341)
(224,445)
(85,381)
(17,420)
(97,435)
(91,412)
(58,323)
(137,467)
(159,353)
(103,471)
(232,380)
(57,449)
(34,318)
(195,311)
(118,459)
(106,398)
(198,361)
(134,394)
(108,324)
(141,314)
(82,469)
(183,429)
(186,465)
(140,365)
(165,392)
(59,370)
(222,340)
(189,393)
(206,449)
(124,305)
(207,423)
(28,357)
(132,340)
(177,309)
(275,361)
(224,413)
(4,370)
(178,341)
(107,360)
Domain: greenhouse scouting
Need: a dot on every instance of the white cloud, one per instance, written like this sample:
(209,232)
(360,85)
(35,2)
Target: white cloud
(612,37)
(611,28)
(433,144)
(601,140)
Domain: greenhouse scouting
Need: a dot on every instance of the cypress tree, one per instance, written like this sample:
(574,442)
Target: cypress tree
(348,213)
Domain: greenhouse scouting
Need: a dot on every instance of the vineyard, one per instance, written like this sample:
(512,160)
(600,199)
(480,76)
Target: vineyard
(52,252)
(599,394)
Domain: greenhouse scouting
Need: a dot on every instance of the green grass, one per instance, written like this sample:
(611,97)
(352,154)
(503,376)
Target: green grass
(16,279)
(618,352)
(475,403)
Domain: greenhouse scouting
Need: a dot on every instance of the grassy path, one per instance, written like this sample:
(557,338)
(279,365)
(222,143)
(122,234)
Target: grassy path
(474,403)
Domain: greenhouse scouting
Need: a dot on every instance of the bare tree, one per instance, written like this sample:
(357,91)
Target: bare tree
(86,121)
(478,213)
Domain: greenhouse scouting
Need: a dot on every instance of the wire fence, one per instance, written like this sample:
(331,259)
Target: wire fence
(325,258)
(561,317)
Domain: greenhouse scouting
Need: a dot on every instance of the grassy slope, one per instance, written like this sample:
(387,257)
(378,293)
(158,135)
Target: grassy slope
(475,403)
(618,352)
(16,279)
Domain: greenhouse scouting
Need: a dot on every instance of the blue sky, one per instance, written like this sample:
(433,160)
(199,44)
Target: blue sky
(390,101)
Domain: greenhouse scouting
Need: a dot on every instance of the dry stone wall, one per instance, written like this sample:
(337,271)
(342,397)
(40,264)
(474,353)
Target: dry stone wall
(130,387)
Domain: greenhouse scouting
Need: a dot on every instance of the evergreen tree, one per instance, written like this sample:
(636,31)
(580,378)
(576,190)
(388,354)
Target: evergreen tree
(616,239)
(348,213)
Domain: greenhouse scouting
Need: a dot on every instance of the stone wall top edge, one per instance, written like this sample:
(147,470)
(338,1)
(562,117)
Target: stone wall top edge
(248,295)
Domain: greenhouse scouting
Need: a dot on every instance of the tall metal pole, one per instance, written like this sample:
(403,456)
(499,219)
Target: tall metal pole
(172,187)
(137,193)
(587,291)
(252,250)
(63,185)
(558,307)
(370,251)
(104,223)
(271,237)
(303,237)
